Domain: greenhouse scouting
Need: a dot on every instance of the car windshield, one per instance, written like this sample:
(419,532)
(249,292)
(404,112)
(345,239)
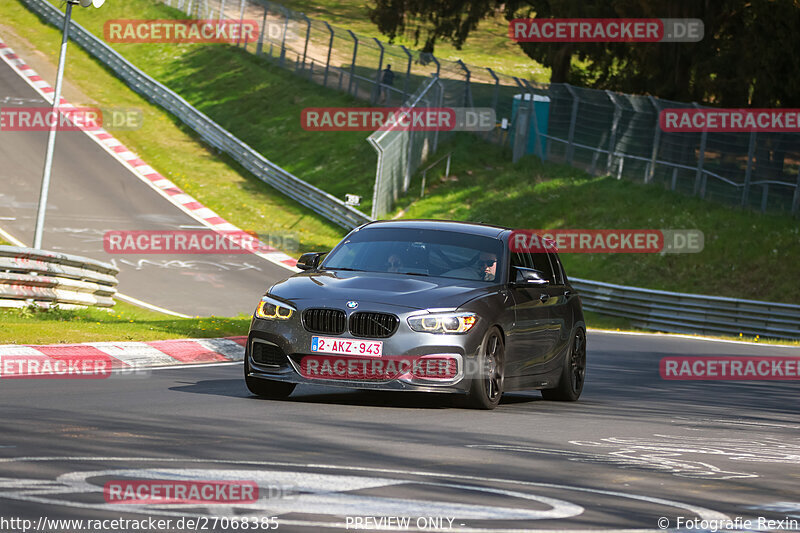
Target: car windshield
(419,252)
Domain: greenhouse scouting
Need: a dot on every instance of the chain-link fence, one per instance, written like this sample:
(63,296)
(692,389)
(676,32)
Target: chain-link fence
(599,131)
(612,133)
(401,151)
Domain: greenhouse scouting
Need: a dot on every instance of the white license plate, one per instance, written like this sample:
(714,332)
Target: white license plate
(347,346)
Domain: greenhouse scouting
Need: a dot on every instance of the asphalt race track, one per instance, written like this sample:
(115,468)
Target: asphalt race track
(633,450)
(91,193)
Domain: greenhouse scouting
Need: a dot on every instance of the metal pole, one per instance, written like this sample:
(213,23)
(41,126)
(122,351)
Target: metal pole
(328,61)
(308,36)
(408,72)
(241,21)
(612,141)
(353,65)
(222,10)
(51,140)
(283,38)
(496,94)
(749,171)
(701,159)
(796,199)
(656,142)
(264,33)
(376,93)
(467,78)
(572,120)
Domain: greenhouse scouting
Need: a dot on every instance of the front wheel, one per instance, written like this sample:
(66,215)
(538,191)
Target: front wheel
(265,388)
(573,375)
(486,389)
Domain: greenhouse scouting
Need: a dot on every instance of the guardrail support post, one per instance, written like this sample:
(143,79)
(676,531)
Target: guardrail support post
(612,141)
(573,119)
(376,90)
(330,49)
(751,150)
(408,72)
(353,65)
(656,143)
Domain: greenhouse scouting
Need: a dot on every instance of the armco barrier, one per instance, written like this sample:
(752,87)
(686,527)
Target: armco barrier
(665,311)
(48,278)
(690,313)
(304,193)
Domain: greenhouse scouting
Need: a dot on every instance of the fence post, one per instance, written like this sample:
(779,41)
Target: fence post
(467,77)
(438,65)
(330,48)
(287,14)
(699,184)
(308,36)
(241,21)
(353,66)
(439,104)
(572,120)
(264,33)
(749,171)
(796,199)
(376,90)
(656,142)
(496,94)
(612,141)
(534,120)
(222,10)
(408,73)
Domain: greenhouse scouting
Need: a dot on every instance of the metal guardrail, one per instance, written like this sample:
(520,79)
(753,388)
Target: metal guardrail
(650,309)
(304,193)
(690,313)
(49,278)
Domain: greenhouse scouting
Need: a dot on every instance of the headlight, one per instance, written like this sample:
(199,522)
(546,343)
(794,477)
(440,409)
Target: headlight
(443,322)
(270,309)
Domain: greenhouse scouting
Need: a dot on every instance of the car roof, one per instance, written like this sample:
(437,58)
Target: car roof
(471,228)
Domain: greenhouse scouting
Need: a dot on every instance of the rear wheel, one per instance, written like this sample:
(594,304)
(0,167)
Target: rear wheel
(573,375)
(487,388)
(274,390)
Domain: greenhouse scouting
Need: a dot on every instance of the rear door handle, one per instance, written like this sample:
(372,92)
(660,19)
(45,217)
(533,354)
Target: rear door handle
(544,297)
(567,292)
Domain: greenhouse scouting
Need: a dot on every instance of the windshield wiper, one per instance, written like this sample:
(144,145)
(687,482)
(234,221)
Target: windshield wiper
(344,268)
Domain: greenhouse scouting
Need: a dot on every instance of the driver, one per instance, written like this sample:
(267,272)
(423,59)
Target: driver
(487,266)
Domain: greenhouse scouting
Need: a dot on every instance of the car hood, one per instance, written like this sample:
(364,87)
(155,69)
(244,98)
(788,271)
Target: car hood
(382,288)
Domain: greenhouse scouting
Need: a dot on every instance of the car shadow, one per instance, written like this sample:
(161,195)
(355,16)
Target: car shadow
(235,388)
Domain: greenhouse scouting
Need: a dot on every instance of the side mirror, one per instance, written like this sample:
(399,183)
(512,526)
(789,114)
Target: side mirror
(309,261)
(528,277)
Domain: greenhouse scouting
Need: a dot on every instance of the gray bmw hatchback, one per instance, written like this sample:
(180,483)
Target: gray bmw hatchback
(422,305)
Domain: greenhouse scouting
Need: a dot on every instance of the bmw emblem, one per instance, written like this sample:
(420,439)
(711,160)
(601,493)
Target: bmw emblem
(352,305)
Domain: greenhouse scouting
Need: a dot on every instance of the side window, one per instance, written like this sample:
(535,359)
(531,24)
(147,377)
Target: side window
(542,263)
(559,268)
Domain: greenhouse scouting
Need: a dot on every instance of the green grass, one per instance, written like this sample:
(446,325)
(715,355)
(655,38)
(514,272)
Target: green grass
(487,46)
(124,323)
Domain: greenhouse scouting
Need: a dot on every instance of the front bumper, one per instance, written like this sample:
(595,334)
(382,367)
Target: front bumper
(287,343)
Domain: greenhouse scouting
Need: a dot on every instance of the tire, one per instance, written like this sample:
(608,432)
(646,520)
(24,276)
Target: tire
(573,375)
(486,390)
(265,388)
